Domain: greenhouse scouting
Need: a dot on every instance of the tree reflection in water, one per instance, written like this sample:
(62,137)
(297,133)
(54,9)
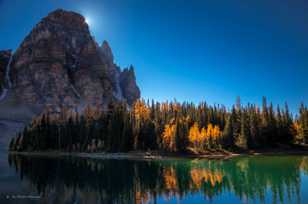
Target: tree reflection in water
(69,180)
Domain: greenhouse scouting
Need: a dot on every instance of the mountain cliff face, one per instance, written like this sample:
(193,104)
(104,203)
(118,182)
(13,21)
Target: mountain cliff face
(5,57)
(59,64)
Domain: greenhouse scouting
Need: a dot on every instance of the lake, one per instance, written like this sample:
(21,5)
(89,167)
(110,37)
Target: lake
(245,179)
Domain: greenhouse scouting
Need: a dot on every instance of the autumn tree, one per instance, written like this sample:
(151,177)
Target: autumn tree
(168,136)
(195,136)
(171,126)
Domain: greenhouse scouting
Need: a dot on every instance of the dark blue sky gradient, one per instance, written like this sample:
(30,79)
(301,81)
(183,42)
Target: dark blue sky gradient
(192,50)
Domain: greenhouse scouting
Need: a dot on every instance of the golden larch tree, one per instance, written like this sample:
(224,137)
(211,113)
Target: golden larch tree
(169,137)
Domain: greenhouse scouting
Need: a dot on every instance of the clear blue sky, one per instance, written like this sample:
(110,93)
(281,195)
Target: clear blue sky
(192,50)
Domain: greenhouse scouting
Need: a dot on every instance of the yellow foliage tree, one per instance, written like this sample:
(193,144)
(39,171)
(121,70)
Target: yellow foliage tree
(169,137)
(140,110)
(299,132)
(194,134)
(204,138)
(203,135)
(216,135)
(209,131)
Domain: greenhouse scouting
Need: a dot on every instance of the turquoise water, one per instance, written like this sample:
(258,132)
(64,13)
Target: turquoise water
(255,179)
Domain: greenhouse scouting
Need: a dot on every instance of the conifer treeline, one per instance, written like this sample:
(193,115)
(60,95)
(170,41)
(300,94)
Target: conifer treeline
(169,126)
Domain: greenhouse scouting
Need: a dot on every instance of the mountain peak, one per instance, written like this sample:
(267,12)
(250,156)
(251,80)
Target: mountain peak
(106,50)
(59,64)
(66,18)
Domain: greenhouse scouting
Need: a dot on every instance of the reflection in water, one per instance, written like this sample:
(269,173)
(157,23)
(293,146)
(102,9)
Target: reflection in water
(76,180)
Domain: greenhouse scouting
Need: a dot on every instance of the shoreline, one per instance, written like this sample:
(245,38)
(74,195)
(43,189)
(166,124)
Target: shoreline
(126,155)
(144,155)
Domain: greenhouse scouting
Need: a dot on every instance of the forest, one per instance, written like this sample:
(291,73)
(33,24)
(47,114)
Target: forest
(169,127)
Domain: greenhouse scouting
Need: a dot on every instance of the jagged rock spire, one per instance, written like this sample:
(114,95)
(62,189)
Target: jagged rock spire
(129,86)
(106,50)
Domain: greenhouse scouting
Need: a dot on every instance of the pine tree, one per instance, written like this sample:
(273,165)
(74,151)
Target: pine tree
(303,124)
(228,140)
(241,140)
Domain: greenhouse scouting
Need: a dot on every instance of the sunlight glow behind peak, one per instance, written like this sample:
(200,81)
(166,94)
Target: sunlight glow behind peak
(88,20)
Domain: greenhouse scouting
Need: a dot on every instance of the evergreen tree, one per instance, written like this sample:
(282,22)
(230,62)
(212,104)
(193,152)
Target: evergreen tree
(167,126)
(241,139)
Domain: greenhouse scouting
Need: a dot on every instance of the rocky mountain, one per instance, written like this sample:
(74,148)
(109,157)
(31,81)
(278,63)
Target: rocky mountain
(59,64)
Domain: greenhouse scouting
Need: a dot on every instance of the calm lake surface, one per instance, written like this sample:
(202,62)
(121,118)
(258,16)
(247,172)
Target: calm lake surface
(254,179)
